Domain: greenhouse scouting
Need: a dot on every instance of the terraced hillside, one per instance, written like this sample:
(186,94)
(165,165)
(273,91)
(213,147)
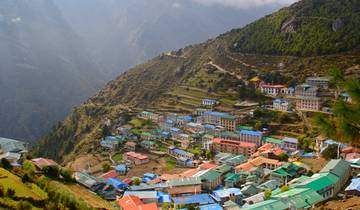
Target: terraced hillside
(178,81)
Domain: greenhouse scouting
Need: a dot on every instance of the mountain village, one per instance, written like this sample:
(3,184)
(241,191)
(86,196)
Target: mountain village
(213,160)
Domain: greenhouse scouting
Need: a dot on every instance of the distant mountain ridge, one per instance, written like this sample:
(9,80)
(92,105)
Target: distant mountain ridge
(176,82)
(44,69)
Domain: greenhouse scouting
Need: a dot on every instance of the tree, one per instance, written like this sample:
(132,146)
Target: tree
(258,125)
(106,167)
(136,181)
(52,172)
(267,194)
(343,124)
(2,191)
(29,168)
(284,157)
(284,188)
(67,175)
(10,193)
(24,205)
(331,152)
(26,178)
(6,164)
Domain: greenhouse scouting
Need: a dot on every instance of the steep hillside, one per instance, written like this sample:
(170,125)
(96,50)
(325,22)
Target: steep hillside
(44,69)
(178,81)
(309,27)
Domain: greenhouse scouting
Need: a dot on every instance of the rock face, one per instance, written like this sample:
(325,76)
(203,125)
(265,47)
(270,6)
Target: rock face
(291,25)
(337,25)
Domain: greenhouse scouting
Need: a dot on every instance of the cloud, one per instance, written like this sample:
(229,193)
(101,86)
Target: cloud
(244,4)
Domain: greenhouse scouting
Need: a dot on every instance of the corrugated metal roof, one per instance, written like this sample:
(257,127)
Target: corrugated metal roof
(194,199)
(337,167)
(354,185)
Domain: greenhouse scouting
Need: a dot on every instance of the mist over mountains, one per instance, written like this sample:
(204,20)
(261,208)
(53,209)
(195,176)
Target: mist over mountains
(56,53)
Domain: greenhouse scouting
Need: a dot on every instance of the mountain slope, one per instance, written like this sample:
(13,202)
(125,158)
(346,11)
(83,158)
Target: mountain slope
(178,81)
(121,34)
(44,70)
(309,27)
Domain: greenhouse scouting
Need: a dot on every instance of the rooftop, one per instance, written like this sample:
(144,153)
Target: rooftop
(233,143)
(194,199)
(249,132)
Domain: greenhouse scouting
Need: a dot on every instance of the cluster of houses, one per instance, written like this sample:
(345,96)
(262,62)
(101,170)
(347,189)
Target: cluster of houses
(305,97)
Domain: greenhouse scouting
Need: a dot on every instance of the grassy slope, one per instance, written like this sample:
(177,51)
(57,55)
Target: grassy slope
(21,189)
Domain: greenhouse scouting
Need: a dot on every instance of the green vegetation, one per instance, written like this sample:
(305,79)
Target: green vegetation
(267,194)
(343,124)
(309,27)
(118,157)
(331,152)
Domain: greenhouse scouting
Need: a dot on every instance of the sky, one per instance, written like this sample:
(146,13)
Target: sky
(244,4)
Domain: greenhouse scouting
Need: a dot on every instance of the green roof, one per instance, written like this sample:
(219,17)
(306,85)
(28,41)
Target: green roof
(231,177)
(319,181)
(146,134)
(287,169)
(273,140)
(148,142)
(337,167)
(184,182)
(236,159)
(210,176)
(246,128)
(299,197)
(229,134)
(223,169)
(267,205)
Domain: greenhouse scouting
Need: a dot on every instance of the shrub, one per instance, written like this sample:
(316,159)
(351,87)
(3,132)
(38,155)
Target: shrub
(52,172)
(10,193)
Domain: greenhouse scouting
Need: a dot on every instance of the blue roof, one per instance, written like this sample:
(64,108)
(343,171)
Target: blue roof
(121,167)
(165,133)
(213,206)
(280,100)
(354,185)
(345,94)
(143,194)
(117,183)
(290,140)
(218,114)
(173,129)
(164,197)
(252,133)
(181,152)
(224,193)
(194,199)
(211,127)
(150,175)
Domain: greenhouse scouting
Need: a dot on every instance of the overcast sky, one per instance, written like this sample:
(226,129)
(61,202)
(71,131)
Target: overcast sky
(244,4)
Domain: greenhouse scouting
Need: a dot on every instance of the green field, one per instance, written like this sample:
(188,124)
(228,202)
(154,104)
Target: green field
(8,180)
(118,157)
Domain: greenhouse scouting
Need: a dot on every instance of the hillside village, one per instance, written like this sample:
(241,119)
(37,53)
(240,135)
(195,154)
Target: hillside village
(217,160)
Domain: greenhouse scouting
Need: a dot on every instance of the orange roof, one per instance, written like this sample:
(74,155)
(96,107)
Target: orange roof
(265,147)
(130,202)
(257,162)
(42,162)
(108,175)
(206,166)
(167,177)
(189,173)
(245,166)
(149,206)
(184,190)
(233,143)
(154,181)
(261,160)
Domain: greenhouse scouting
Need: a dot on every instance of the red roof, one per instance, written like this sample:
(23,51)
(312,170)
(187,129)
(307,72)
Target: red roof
(127,181)
(42,162)
(108,175)
(130,202)
(206,166)
(233,143)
